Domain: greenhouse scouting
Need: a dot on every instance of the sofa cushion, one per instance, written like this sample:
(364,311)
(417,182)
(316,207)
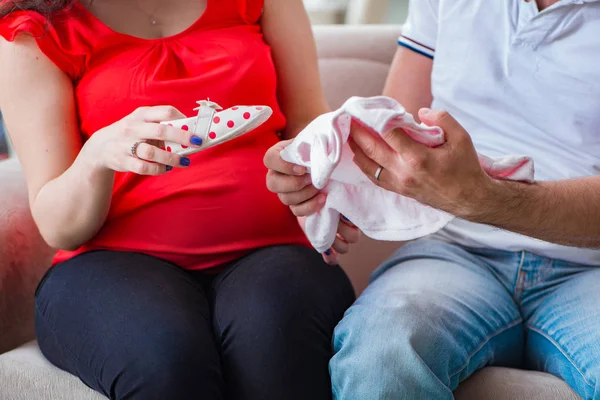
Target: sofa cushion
(496,383)
(25,374)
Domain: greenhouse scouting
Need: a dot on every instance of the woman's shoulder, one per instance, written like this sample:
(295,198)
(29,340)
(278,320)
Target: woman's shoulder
(64,36)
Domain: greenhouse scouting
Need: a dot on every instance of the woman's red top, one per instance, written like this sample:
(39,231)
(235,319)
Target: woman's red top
(219,208)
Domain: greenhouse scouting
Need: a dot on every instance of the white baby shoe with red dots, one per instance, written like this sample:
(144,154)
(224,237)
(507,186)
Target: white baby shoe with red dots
(215,125)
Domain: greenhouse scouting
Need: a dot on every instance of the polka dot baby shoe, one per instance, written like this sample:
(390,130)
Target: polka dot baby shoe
(215,125)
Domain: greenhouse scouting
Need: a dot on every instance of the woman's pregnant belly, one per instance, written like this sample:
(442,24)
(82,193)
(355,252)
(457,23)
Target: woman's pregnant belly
(210,213)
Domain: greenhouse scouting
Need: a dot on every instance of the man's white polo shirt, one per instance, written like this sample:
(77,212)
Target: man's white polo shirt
(521,82)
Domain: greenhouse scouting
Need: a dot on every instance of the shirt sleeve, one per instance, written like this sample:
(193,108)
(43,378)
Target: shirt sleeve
(419,33)
(61,46)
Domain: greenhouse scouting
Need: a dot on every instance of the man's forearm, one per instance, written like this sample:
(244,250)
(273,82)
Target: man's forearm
(565,212)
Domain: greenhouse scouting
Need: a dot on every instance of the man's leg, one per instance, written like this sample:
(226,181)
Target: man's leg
(563,327)
(433,315)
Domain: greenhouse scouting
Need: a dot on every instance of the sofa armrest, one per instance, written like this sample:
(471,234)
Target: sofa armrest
(24,258)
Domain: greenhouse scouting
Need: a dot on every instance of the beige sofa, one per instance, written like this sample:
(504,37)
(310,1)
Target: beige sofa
(354,61)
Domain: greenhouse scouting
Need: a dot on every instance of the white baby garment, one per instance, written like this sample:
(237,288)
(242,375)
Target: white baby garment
(322,148)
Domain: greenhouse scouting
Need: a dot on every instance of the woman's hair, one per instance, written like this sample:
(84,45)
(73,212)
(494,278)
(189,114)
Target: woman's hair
(44,7)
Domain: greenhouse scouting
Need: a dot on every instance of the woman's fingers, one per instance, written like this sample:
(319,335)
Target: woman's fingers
(331,257)
(282,183)
(349,232)
(274,162)
(309,207)
(158,114)
(144,131)
(148,152)
(299,197)
(340,245)
(142,167)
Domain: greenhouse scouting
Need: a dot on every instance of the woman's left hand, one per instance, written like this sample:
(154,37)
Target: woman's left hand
(448,177)
(293,186)
(347,235)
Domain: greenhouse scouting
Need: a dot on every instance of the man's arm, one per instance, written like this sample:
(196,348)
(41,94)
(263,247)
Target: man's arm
(450,178)
(565,212)
(409,80)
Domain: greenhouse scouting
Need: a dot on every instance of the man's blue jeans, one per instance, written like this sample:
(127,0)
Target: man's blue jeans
(435,313)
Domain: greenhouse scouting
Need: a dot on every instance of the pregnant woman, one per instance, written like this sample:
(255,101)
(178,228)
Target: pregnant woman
(192,282)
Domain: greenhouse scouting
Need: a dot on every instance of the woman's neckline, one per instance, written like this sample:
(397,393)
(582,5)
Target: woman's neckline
(184,32)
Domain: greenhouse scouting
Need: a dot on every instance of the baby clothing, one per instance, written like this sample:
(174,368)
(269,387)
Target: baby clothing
(383,215)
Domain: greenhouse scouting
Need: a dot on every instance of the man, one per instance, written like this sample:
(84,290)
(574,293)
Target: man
(514,280)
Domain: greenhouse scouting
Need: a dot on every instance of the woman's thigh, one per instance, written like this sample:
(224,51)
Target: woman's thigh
(275,311)
(130,326)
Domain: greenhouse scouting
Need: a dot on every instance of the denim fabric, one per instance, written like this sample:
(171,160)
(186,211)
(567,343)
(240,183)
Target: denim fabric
(435,313)
(135,327)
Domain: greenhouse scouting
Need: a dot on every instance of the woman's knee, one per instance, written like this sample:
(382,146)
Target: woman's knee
(294,292)
(288,310)
(152,362)
(177,368)
(129,335)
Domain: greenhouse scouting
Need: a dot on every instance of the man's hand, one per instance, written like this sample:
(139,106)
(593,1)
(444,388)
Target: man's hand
(294,188)
(448,177)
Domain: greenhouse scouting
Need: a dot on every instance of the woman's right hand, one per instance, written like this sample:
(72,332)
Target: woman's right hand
(110,148)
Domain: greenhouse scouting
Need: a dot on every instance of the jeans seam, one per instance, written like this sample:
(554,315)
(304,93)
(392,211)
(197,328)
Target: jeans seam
(485,341)
(541,275)
(519,286)
(562,351)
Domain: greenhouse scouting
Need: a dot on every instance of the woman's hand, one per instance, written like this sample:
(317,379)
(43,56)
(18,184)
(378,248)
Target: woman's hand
(111,147)
(292,183)
(294,188)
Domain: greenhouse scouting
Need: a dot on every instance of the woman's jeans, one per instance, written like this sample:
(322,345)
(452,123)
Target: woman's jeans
(436,312)
(135,327)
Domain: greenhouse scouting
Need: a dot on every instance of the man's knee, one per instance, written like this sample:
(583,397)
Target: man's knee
(402,333)
(389,350)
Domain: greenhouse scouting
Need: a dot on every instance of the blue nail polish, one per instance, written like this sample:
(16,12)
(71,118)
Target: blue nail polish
(184,161)
(196,140)
(169,168)
(328,252)
(345,218)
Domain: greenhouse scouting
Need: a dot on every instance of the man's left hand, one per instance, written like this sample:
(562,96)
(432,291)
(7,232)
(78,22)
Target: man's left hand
(448,177)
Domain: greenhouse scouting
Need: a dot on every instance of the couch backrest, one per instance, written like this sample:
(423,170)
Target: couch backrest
(354,61)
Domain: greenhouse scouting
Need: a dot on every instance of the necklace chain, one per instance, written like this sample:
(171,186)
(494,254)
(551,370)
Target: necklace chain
(153,19)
